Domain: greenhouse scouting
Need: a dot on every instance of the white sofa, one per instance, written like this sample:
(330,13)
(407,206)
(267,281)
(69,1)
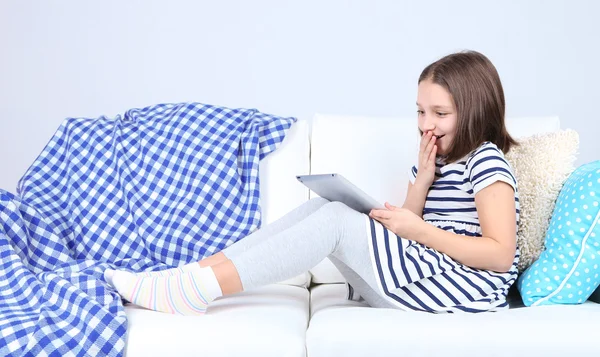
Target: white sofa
(309,315)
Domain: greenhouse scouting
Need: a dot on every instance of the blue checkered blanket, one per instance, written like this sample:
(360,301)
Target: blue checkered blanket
(159,187)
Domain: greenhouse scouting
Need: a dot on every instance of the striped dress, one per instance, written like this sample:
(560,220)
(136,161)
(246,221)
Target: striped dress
(412,276)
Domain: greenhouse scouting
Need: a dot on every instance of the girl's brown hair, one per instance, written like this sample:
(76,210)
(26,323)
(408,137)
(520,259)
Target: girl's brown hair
(475,87)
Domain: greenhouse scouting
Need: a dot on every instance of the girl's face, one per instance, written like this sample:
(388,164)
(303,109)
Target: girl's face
(437,113)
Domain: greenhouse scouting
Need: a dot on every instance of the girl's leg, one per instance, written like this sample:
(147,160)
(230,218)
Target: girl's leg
(334,230)
(296,215)
(259,236)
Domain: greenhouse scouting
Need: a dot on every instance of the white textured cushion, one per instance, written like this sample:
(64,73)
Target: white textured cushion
(346,328)
(541,164)
(267,322)
(280,191)
(375,154)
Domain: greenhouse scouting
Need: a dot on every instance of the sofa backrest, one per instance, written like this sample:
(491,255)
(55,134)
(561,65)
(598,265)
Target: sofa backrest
(376,154)
(279,189)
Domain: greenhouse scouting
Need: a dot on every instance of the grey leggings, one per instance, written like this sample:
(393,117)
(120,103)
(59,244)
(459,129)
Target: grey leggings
(300,240)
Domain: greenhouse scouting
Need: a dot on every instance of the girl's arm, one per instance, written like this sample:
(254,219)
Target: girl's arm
(496,249)
(415,198)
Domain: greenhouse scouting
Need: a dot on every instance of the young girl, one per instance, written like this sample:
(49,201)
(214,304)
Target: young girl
(451,247)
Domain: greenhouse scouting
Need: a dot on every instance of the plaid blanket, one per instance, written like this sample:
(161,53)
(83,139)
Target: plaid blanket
(159,187)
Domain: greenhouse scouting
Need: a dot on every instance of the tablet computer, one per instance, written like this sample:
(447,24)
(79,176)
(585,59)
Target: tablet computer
(336,187)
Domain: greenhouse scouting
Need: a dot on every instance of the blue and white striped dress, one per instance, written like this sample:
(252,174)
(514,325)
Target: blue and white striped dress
(414,277)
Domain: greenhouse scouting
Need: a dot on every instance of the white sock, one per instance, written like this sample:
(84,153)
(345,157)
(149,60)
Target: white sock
(184,294)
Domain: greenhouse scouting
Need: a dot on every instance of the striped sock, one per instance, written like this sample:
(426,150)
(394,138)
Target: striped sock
(184,294)
(173,271)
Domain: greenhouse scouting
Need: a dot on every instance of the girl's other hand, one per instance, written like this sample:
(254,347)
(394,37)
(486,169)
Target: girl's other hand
(427,152)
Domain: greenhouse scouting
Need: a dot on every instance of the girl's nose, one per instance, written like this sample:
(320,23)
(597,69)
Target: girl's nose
(428,125)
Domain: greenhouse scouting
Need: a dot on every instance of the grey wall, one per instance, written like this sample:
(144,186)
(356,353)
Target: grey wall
(72,58)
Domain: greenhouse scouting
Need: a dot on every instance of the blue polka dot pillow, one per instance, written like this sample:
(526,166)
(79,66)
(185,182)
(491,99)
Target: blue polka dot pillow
(568,270)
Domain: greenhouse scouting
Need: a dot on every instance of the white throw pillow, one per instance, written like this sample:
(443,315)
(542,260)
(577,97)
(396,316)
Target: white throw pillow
(541,164)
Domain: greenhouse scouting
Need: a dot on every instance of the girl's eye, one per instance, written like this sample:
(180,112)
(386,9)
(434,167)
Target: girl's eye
(420,112)
(441,114)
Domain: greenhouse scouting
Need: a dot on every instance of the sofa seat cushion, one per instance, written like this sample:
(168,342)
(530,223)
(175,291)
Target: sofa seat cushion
(339,327)
(269,321)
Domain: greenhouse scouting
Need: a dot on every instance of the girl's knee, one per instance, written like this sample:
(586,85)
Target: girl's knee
(340,209)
